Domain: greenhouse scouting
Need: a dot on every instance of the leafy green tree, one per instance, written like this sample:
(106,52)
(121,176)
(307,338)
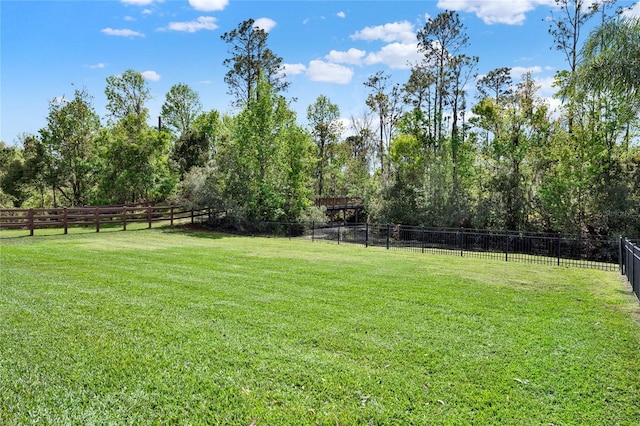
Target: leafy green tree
(191,149)
(462,69)
(127,94)
(134,157)
(69,141)
(610,58)
(518,126)
(590,178)
(180,109)
(11,176)
(210,124)
(496,84)
(566,30)
(403,194)
(264,165)
(250,61)
(134,163)
(386,103)
(297,162)
(325,127)
(36,171)
(441,39)
(356,152)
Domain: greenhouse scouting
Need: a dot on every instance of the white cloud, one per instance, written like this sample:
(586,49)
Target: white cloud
(138,2)
(294,69)
(395,31)
(329,73)
(352,56)
(209,5)
(129,18)
(555,106)
(150,75)
(396,56)
(121,33)
(546,85)
(518,72)
(632,11)
(147,12)
(97,66)
(341,14)
(496,12)
(265,24)
(202,23)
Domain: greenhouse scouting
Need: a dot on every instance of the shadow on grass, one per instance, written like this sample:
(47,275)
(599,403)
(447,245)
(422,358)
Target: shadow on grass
(196,231)
(73,230)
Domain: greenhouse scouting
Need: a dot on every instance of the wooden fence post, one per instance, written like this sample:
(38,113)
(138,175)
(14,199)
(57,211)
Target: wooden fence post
(171,216)
(124,218)
(97,217)
(64,219)
(192,216)
(30,221)
(149,215)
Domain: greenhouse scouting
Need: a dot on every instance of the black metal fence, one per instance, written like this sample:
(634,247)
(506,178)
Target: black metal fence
(630,263)
(542,248)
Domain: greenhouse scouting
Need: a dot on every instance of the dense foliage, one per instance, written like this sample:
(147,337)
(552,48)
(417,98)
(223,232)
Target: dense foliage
(425,153)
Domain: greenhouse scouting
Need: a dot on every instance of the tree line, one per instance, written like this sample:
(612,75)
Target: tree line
(423,153)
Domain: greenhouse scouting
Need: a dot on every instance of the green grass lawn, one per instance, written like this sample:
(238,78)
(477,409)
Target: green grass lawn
(169,326)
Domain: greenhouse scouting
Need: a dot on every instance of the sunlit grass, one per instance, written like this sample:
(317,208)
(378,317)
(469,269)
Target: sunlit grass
(175,326)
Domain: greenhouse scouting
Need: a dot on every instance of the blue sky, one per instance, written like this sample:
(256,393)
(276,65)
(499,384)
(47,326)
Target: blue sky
(49,48)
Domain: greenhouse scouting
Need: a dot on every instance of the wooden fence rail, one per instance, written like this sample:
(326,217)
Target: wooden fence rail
(33,219)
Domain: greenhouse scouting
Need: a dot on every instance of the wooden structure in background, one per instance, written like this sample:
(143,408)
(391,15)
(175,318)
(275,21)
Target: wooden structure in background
(337,205)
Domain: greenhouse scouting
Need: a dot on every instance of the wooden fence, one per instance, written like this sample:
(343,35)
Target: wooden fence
(33,219)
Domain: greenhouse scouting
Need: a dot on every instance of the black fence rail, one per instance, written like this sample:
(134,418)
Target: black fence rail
(630,263)
(542,248)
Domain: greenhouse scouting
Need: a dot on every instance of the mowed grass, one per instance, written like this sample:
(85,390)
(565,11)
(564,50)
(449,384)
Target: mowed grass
(180,326)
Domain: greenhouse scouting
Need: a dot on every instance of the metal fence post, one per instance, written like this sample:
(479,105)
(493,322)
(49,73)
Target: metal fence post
(461,242)
(366,234)
(635,279)
(422,241)
(338,233)
(558,248)
(313,231)
(620,254)
(388,235)
(506,246)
